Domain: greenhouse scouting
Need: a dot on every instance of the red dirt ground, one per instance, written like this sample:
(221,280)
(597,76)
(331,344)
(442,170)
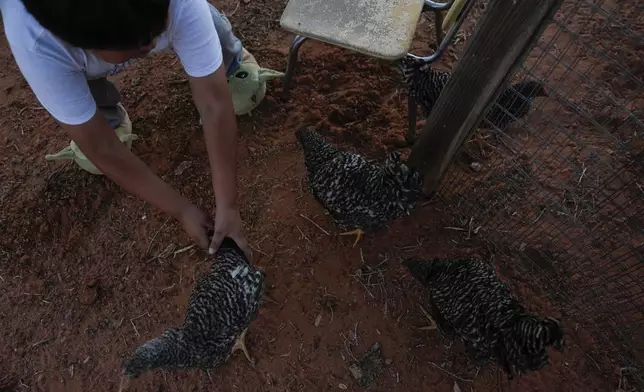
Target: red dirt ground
(87,272)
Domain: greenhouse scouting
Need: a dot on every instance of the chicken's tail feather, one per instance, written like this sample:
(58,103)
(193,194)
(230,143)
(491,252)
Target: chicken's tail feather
(408,67)
(555,333)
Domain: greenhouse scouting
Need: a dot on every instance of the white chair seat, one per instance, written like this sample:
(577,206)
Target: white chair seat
(377,28)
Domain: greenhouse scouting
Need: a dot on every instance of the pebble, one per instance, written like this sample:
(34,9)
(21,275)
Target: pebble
(88,294)
(182,167)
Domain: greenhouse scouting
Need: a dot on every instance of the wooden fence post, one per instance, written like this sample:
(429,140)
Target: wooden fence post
(502,39)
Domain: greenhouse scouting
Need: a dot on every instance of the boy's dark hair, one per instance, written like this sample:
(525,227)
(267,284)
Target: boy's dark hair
(102,24)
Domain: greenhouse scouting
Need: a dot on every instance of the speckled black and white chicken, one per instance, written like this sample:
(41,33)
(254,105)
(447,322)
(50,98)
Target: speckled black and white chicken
(425,85)
(470,302)
(221,307)
(360,196)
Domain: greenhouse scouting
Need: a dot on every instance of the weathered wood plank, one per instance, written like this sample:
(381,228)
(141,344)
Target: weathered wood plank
(502,39)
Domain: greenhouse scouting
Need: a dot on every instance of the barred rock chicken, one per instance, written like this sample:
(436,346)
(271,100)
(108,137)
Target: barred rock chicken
(220,309)
(513,103)
(470,302)
(359,195)
(425,85)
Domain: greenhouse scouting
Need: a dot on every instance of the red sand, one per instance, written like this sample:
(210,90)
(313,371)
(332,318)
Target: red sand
(87,272)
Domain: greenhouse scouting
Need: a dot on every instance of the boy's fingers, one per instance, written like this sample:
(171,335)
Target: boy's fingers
(202,240)
(217,238)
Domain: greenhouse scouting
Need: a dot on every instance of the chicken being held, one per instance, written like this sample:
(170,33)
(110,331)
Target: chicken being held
(360,195)
(470,302)
(425,85)
(225,301)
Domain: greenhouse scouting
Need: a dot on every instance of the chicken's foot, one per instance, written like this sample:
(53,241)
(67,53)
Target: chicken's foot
(240,344)
(432,323)
(125,382)
(357,232)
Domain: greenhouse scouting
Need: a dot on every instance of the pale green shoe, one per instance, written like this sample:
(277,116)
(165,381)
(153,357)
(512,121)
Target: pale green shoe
(248,84)
(73,152)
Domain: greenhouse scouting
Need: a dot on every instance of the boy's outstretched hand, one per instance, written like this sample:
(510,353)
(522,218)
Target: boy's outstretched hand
(196,224)
(213,100)
(228,224)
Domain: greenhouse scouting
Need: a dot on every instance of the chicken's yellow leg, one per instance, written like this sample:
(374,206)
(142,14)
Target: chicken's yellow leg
(432,323)
(357,232)
(124,383)
(240,344)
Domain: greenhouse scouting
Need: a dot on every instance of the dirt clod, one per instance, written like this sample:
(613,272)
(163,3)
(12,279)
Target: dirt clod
(369,367)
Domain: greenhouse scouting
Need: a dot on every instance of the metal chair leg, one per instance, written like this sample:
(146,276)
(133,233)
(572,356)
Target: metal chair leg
(451,32)
(292,62)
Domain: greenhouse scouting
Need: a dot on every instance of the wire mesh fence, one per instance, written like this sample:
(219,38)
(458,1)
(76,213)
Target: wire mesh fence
(561,188)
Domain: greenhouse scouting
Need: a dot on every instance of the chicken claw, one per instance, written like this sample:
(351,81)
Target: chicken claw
(357,232)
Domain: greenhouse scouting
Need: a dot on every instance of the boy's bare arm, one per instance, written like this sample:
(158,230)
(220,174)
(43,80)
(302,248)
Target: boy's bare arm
(99,143)
(215,105)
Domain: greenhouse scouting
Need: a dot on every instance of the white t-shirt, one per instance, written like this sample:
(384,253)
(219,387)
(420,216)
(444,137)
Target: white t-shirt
(58,73)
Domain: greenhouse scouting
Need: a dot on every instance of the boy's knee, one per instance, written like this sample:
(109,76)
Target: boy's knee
(104,92)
